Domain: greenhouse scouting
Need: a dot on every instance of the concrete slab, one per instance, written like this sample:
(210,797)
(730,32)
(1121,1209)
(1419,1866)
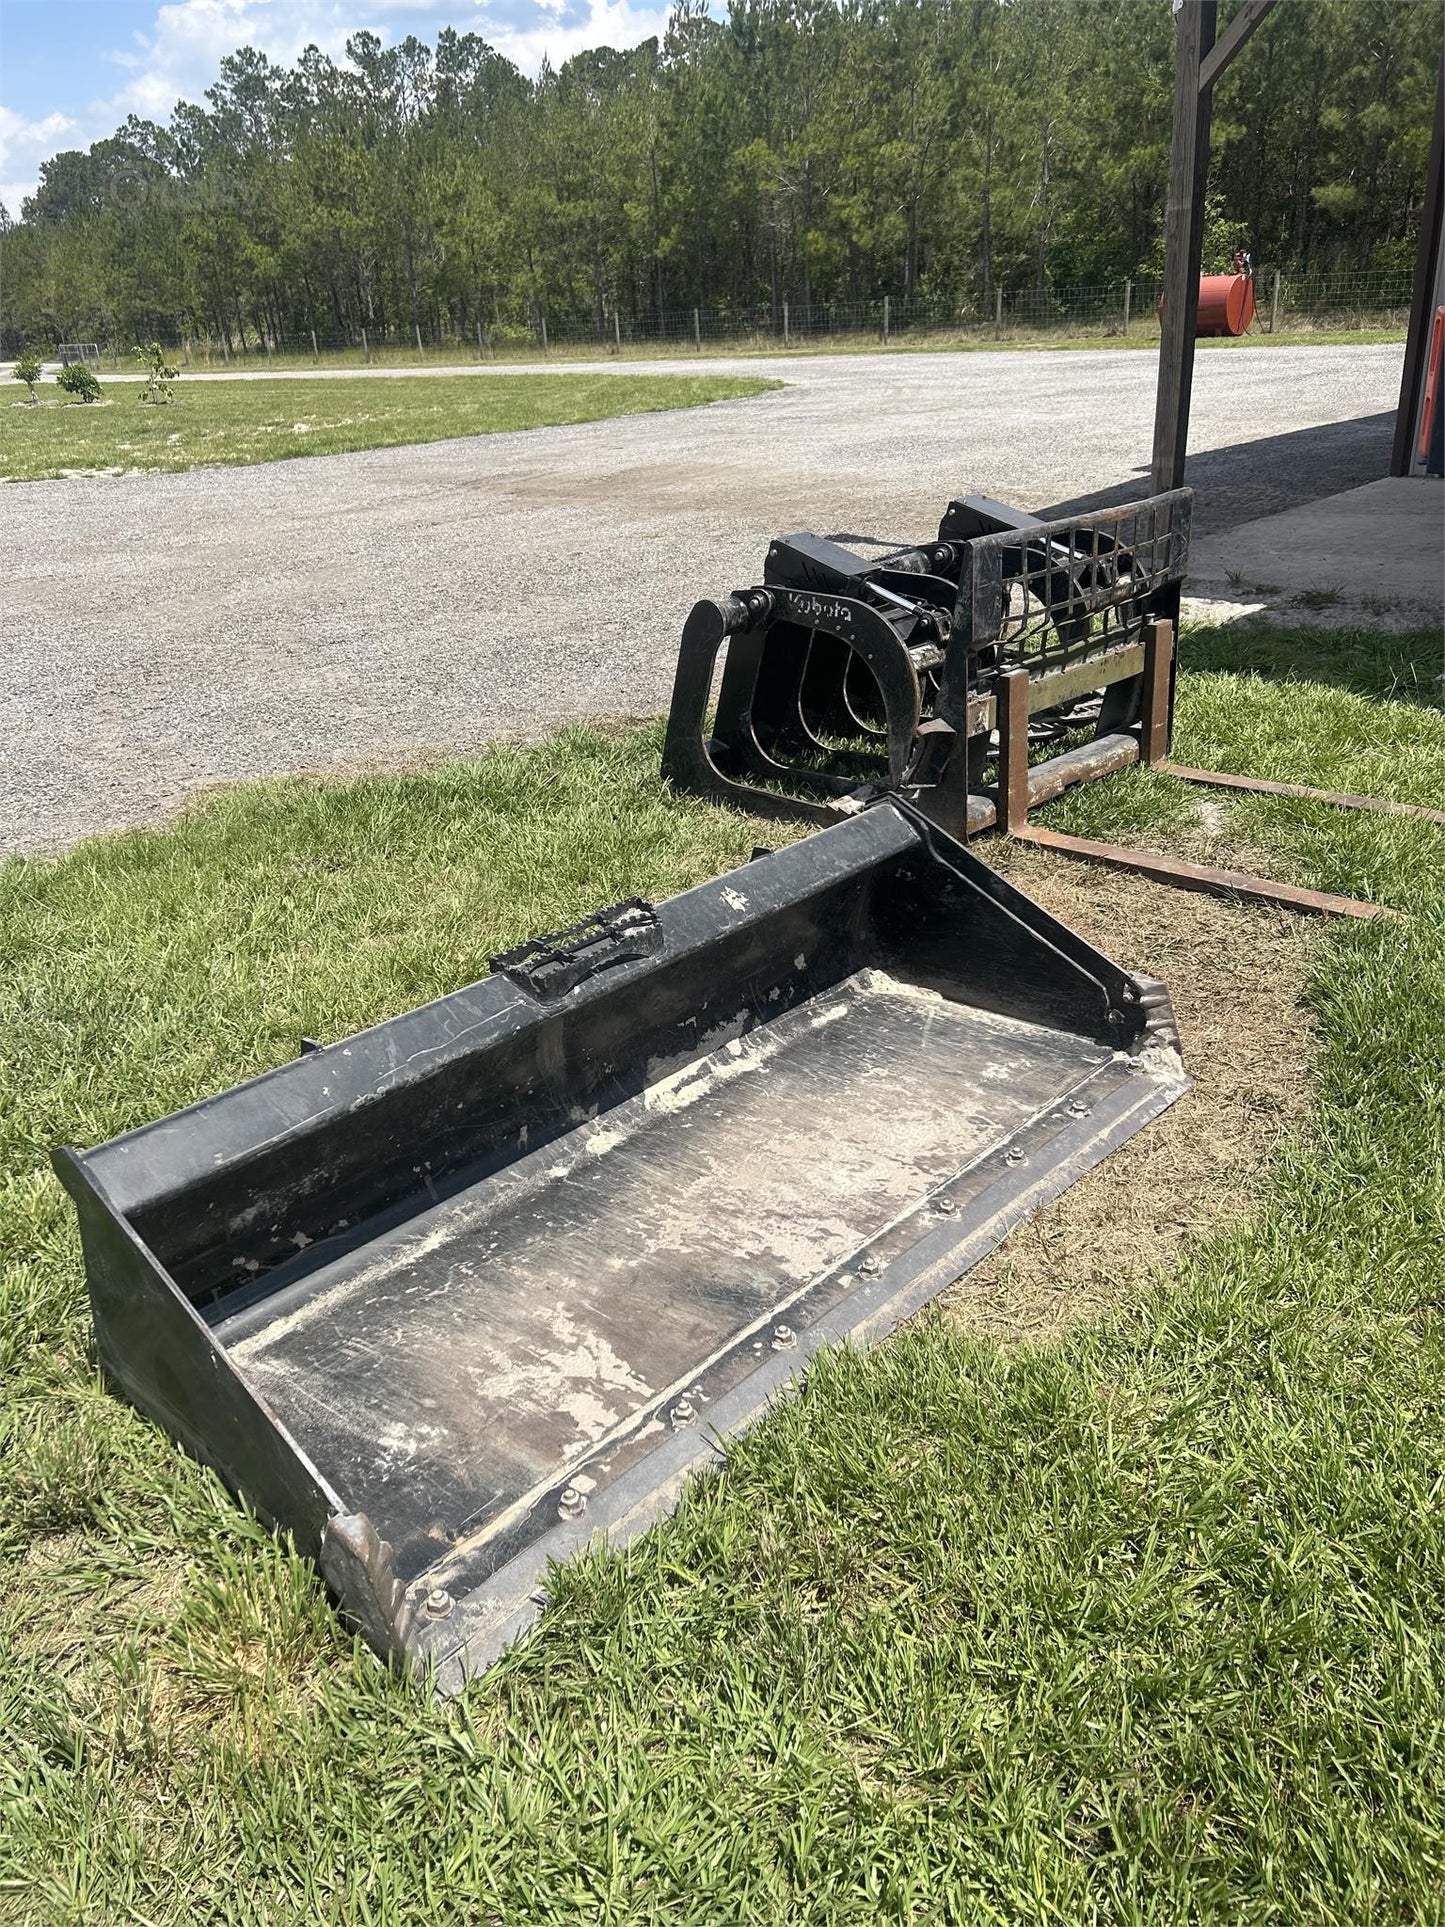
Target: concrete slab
(1374,554)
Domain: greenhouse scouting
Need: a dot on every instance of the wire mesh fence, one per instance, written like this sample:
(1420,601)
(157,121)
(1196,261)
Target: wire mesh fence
(1114,311)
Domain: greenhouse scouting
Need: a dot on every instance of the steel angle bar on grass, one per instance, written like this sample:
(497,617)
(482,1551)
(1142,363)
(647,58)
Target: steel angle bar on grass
(1199,876)
(1337,799)
(1015,799)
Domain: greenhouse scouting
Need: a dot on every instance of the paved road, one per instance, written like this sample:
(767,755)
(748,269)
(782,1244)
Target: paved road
(160,632)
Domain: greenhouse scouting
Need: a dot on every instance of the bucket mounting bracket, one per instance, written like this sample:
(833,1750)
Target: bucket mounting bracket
(548,967)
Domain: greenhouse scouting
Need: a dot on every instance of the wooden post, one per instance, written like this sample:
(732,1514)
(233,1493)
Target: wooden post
(365,348)
(1199,60)
(785,324)
(697,329)
(315,351)
(617,329)
(885,321)
(998,311)
(1194,22)
(1414,373)
(1158,686)
(1274,305)
(1128,298)
(1217,58)
(543,319)
(1011,716)
(481,339)
(417,326)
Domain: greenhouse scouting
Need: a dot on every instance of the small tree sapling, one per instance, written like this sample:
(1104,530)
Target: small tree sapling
(78,381)
(158,373)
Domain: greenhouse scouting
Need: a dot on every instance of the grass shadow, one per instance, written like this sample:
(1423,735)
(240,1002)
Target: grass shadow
(1400,668)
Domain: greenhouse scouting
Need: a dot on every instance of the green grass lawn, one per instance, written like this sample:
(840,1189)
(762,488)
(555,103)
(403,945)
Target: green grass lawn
(1145,1625)
(222,424)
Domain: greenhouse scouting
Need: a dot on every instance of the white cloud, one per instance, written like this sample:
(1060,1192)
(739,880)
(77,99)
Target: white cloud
(609,23)
(180,56)
(24,144)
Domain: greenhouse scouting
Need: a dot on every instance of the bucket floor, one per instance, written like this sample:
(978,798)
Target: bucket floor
(450,1371)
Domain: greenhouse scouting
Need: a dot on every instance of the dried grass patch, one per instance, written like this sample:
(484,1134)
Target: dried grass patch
(1236,974)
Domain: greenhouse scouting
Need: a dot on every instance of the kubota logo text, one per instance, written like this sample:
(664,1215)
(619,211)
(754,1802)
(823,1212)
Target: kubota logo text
(814,608)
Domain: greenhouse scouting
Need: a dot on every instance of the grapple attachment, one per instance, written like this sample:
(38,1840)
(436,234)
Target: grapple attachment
(446,1298)
(842,674)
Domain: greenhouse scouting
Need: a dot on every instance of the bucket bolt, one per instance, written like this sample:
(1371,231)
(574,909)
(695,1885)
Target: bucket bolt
(784,1338)
(1014,1156)
(572,1504)
(945,1207)
(684,1412)
(438,1603)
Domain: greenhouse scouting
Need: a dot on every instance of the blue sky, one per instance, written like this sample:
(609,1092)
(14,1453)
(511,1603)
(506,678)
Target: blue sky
(71,70)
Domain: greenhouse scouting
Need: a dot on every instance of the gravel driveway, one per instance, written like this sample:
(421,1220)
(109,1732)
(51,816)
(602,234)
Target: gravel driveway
(161,632)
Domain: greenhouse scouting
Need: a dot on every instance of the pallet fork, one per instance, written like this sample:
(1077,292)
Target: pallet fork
(1013,800)
(911,672)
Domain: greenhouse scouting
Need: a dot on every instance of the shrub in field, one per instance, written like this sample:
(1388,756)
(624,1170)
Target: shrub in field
(27,369)
(159,375)
(79,381)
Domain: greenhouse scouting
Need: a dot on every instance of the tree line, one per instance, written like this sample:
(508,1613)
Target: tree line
(787,150)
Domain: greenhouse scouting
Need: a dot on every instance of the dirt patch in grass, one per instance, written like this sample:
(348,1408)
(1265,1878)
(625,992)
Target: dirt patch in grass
(143,1654)
(1236,975)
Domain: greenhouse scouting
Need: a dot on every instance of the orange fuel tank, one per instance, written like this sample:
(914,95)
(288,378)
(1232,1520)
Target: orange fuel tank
(1226,304)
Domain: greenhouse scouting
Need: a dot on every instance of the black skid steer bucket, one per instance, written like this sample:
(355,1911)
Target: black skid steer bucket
(447,1298)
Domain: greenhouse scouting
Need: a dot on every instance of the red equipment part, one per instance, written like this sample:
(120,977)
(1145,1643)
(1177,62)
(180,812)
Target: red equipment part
(1226,304)
(1432,384)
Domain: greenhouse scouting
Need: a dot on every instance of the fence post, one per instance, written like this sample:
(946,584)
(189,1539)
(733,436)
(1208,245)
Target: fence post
(1128,298)
(365,348)
(785,324)
(315,351)
(885,321)
(998,311)
(543,319)
(1274,305)
(481,344)
(417,326)
(617,329)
